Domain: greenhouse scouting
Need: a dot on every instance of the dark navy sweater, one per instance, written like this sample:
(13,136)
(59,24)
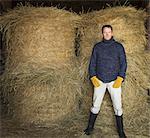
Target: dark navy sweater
(108,60)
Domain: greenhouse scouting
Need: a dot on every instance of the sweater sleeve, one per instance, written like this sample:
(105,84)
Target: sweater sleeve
(123,62)
(92,65)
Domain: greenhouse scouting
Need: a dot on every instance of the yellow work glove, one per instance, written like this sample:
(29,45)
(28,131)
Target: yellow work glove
(118,82)
(95,81)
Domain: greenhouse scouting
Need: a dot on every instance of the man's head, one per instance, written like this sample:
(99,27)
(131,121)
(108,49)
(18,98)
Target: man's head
(107,32)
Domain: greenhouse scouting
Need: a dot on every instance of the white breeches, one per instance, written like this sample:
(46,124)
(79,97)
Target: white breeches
(115,94)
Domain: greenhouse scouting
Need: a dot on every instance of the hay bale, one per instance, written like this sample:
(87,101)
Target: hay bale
(40,41)
(147,67)
(134,95)
(128,24)
(41,82)
(41,98)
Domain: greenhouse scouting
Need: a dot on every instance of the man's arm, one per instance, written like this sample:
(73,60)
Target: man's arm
(123,62)
(92,65)
(123,68)
(92,69)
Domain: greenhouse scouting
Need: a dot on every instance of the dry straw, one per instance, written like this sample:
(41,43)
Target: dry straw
(128,25)
(40,83)
(43,77)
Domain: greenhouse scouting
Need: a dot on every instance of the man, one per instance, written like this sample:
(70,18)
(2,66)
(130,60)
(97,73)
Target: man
(107,69)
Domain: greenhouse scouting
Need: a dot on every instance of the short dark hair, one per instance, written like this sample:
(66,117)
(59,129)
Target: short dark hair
(108,26)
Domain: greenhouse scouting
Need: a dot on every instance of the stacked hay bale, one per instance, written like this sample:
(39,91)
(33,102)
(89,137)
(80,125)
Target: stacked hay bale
(40,82)
(128,26)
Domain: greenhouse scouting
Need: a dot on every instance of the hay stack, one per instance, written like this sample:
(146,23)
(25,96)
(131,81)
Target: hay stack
(39,37)
(40,83)
(128,24)
(41,98)
(134,91)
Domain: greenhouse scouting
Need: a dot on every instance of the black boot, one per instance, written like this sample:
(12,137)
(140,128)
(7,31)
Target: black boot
(119,121)
(91,122)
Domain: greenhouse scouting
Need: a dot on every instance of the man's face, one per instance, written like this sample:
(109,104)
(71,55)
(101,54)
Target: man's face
(107,33)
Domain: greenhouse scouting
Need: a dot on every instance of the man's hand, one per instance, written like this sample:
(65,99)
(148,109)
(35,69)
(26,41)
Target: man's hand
(95,81)
(118,82)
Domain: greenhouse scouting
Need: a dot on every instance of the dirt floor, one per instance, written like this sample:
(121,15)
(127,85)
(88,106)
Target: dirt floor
(69,128)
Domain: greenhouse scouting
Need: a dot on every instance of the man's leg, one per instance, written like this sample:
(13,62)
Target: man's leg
(97,100)
(115,94)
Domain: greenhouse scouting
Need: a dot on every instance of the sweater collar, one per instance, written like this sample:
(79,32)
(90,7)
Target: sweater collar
(108,41)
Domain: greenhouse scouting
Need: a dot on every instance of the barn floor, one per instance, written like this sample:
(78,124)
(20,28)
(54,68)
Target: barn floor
(66,129)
